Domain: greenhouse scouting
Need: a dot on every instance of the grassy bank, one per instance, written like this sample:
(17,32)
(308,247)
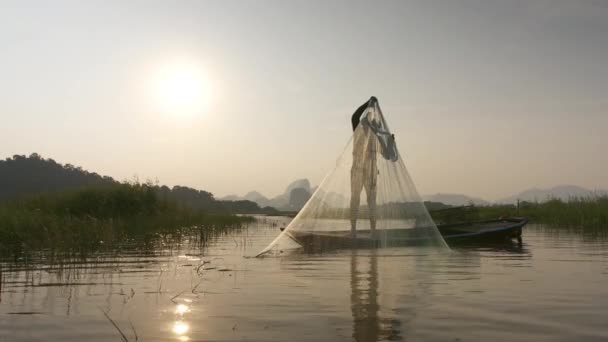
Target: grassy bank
(584,213)
(85,219)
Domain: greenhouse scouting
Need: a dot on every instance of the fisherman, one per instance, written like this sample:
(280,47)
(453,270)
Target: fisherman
(364,171)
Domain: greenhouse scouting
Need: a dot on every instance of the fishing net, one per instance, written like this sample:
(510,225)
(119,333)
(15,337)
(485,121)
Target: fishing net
(368,201)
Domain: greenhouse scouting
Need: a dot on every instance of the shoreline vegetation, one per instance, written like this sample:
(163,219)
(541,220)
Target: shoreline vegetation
(48,205)
(84,220)
(44,204)
(581,213)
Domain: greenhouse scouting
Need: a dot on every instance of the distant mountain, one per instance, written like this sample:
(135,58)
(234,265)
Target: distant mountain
(299,184)
(255,196)
(563,192)
(299,191)
(293,198)
(455,199)
(230,198)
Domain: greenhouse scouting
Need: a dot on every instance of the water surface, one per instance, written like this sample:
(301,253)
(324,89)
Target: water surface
(554,286)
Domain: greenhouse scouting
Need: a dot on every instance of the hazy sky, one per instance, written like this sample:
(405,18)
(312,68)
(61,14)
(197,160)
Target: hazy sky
(486,98)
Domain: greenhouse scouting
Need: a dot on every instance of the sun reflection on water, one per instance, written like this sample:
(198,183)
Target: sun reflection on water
(180,328)
(182,309)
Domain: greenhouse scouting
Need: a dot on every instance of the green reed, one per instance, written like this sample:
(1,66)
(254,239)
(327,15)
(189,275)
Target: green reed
(89,218)
(589,213)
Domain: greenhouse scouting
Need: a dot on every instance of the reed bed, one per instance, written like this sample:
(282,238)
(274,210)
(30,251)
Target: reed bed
(90,218)
(584,213)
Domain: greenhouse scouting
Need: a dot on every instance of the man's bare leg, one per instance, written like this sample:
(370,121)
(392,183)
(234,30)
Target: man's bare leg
(354,212)
(371,205)
(371,192)
(356,185)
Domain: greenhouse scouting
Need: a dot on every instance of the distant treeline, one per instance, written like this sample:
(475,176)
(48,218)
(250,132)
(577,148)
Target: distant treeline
(22,176)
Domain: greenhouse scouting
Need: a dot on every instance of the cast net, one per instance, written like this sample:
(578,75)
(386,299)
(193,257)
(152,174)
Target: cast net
(368,201)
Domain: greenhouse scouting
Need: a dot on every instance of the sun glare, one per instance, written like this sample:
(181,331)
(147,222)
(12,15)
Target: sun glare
(182,90)
(180,328)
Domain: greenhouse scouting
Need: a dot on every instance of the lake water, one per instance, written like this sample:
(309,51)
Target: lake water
(552,287)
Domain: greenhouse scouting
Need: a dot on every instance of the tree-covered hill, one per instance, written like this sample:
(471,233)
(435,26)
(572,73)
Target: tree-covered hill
(22,176)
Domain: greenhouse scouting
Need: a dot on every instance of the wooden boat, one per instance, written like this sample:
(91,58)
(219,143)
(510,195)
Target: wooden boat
(493,230)
(501,229)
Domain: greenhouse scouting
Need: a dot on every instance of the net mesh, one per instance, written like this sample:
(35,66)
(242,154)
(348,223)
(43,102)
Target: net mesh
(368,201)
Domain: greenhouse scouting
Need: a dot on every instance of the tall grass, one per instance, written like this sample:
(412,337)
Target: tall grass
(88,218)
(578,212)
(590,213)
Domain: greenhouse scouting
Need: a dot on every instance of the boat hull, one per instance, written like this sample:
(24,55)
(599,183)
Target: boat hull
(502,229)
(494,230)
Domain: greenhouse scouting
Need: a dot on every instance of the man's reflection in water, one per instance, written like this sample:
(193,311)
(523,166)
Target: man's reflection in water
(367,324)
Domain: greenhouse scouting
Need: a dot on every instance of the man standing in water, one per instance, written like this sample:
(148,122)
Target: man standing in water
(364,171)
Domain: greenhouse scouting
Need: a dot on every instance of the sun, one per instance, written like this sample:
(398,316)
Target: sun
(182,90)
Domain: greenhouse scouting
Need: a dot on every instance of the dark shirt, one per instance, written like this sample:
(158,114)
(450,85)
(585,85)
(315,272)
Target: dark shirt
(357,115)
(356,118)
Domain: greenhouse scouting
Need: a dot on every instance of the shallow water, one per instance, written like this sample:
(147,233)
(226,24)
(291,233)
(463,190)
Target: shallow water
(552,287)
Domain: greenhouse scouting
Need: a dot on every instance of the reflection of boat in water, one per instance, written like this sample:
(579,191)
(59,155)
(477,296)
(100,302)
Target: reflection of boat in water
(484,231)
